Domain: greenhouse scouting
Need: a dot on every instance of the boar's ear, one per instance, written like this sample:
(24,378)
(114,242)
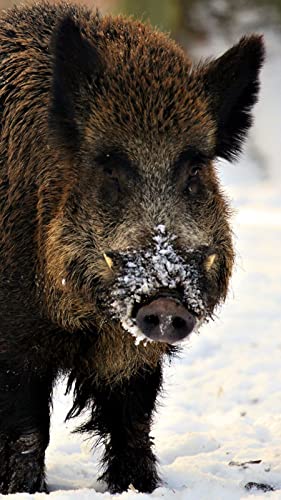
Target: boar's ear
(76,63)
(232,84)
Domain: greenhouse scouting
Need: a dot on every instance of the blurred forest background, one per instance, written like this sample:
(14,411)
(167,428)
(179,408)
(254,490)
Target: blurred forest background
(184,17)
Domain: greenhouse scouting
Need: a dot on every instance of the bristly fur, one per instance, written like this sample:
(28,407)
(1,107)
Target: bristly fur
(107,132)
(122,418)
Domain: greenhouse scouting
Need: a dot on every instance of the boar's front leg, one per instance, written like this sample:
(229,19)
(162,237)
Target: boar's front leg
(122,416)
(24,428)
(125,414)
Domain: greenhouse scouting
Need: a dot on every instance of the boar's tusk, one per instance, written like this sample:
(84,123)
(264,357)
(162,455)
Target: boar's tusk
(108,260)
(210,261)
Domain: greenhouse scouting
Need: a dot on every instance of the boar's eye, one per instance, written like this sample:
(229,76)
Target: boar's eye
(192,185)
(111,185)
(187,169)
(116,176)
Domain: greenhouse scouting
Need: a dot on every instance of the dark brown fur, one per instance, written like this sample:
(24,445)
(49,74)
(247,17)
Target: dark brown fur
(73,87)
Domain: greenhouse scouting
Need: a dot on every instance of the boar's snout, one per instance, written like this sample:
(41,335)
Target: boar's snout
(165,320)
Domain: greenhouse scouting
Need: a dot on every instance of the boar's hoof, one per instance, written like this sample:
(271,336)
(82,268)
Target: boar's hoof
(165,320)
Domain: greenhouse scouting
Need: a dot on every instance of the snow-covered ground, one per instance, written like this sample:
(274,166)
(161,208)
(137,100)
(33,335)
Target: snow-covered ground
(218,427)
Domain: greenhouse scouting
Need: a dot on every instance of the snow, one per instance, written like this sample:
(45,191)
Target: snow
(218,427)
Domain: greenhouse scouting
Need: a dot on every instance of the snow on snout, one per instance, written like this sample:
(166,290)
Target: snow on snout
(146,271)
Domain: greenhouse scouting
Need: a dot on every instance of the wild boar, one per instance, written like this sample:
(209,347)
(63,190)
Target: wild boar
(115,234)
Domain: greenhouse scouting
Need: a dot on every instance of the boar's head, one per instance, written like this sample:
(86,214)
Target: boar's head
(141,233)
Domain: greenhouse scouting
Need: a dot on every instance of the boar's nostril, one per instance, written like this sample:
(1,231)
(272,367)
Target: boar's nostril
(165,320)
(151,320)
(178,322)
